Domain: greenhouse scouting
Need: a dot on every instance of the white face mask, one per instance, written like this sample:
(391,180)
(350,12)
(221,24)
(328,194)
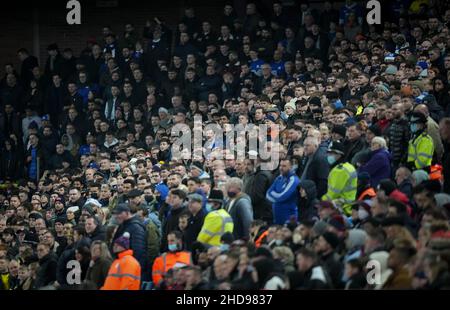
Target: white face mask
(362,214)
(297,238)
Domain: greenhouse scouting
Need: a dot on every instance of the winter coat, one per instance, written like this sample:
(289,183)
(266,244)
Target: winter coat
(406,188)
(54,102)
(26,74)
(241,211)
(56,161)
(98,234)
(138,241)
(98,270)
(283,196)
(46,274)
(334,268)
(10,165)
(10,124)
(48,144)
(399,280)
(153,225)
(398,135)
(378,166)
(256,187)
(66,256)
(316,278)
(436,111)
(195,224)
(124,273)
(353,147)
(170,223)
(14,95)
(356,282)
(317,171)
(207,84)
(433,131)
(307,206)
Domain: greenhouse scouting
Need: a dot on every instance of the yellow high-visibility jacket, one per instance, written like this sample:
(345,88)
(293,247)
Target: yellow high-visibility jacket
(215,225)
(420,151)
(342,185)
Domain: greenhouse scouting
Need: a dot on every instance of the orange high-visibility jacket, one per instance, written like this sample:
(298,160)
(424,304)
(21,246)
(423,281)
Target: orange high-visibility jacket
(166,262)
(368,192)
(124,273)
(259,241)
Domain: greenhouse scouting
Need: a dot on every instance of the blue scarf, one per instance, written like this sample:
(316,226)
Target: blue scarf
(32,171)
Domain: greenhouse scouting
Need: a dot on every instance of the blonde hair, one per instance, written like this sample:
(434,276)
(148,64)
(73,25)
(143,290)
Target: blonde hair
(104,251)
(284,253)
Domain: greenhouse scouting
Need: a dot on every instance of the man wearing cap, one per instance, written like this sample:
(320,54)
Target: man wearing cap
(195,221)
(338,133)
(125,271)
(421,146)
(59,206)
(217,222)
(136,199)
(342,180)
(131,224)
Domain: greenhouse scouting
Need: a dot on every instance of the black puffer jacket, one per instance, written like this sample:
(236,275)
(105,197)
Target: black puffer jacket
(138,242)
(398,135)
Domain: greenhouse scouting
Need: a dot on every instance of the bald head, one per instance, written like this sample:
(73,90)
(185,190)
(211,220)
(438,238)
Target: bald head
(398,110)
(422,109)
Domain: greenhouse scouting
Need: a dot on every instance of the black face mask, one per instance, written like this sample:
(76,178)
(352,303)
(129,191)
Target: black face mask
(231,194)
(148,198)
(94,196)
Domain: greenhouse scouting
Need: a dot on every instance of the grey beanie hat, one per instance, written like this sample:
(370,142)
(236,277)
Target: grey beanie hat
(356,238)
